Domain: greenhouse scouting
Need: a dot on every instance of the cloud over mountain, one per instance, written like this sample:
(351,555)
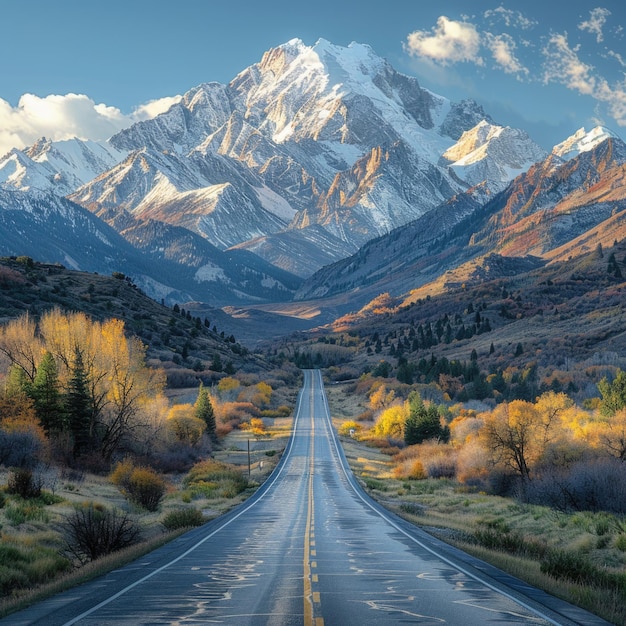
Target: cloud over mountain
(510,42)
(60,117)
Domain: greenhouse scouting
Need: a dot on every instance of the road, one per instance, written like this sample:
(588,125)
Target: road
(309,548)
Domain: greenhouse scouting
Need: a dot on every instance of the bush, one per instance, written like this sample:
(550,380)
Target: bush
(584,486)
(92,531)
(183,518)
(22,483)
(19,448)
(213,478)
(349,427)
(141,485)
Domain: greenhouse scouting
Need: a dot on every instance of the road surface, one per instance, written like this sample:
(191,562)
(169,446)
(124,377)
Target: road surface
(309,548)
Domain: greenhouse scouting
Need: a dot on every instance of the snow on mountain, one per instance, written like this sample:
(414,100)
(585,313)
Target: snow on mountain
(582,141)
(60,166)
(321,145)
(492,153)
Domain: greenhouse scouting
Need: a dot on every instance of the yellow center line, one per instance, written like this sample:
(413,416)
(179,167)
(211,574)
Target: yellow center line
(311,598)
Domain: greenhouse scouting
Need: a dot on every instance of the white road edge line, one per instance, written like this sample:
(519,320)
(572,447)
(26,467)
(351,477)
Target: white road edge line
(349,476)
(199,543)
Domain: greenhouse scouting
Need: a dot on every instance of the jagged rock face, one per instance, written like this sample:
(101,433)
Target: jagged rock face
(554,202)
(557,209)
(301,158)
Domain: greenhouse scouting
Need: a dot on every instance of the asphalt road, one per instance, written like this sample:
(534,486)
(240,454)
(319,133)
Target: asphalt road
(309,548)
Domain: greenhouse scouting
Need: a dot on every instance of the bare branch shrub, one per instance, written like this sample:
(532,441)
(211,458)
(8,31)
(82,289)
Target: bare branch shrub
(19,449)
(598,485)
(93,531)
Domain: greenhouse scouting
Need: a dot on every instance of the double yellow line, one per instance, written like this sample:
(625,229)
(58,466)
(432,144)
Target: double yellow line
(312,600)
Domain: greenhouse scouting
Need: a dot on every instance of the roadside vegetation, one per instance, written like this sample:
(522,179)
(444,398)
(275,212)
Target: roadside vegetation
(100,458)
(536,488)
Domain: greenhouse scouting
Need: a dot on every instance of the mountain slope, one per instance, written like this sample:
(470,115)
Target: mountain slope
(538,215)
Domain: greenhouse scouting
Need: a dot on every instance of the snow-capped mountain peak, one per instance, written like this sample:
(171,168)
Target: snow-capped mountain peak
(60,166)
(582,141)
(492,153)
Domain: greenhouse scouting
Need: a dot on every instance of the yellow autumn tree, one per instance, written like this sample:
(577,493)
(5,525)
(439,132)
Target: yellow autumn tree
(380,398)
(118,381)
(20,345)
(609,434)
(390,422)
(184,425)
(517,433)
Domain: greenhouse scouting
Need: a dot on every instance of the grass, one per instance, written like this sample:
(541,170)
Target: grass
(33,564)
(25,597)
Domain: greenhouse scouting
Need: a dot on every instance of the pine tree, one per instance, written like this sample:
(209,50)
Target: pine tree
(46,395)
(78,405)
(204,410)
(423,422)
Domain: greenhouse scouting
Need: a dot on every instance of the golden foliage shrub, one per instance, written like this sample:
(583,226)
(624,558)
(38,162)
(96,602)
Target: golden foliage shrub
(141,485)
(410,469)
(390,422)
(184,425)
(350,426)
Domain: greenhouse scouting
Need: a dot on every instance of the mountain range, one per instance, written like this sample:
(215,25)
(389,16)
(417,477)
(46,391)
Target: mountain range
(318,171)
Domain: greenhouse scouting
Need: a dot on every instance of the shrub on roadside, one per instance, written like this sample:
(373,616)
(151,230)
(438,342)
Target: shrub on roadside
(183,518)
(350,427)
(212,478)
(21,482)
(141,485)
(93,531)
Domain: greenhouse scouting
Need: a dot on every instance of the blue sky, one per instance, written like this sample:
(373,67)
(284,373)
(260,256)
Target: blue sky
(89,68)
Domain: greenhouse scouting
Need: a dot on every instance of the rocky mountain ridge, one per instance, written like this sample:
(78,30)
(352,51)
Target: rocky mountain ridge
(299,161)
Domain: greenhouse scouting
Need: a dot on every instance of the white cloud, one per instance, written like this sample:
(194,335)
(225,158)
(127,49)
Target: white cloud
(448,42)
(596,22)
(503,50)
(510,18)
(565,67)
(154,107)
(59,117)
(617,56)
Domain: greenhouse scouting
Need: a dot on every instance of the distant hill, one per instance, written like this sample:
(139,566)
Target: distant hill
(189,346)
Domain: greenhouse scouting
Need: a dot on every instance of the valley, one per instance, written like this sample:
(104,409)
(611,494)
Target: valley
(458,289)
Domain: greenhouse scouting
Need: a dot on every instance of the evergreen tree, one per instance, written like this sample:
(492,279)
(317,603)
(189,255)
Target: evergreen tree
(17,382)
(203,409)
(423,422)
(405,371)
(78,405)
(46,395)
(613,267)
(613,394)
(216,364)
